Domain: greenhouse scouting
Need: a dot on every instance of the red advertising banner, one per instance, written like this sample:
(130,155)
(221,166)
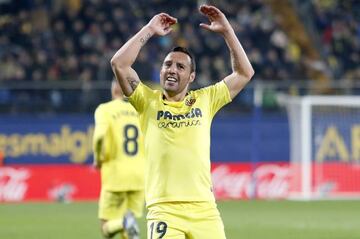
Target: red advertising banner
(283,180)
(49,183)
(230,181)
(244,181)
(336,179)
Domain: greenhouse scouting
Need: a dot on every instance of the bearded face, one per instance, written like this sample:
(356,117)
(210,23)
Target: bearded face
(175,74)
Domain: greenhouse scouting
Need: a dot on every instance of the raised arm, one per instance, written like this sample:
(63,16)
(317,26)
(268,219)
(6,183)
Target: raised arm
(241,67)
(123,59)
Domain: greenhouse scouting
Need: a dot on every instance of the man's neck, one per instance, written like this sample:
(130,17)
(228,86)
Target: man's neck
(174,97)
(117,97)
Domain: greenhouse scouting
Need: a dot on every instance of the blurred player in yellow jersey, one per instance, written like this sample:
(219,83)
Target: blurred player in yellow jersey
(118,153)
(176,126)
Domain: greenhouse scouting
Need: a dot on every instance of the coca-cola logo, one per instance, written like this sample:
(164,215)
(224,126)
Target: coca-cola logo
(13,185)
(266,181)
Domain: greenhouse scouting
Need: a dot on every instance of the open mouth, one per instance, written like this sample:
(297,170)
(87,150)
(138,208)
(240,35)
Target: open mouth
(171,79)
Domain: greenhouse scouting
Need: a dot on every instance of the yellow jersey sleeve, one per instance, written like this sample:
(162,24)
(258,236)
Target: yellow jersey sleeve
(219,96)
(101,127)
(139,96)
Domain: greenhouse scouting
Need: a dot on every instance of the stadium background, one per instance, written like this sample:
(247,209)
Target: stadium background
(54,71)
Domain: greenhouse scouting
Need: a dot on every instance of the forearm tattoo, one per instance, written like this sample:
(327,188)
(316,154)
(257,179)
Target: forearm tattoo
(234,61)
(144,39)
(133,82)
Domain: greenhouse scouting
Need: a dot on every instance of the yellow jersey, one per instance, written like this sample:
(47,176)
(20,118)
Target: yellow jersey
(118,146)
(177,142)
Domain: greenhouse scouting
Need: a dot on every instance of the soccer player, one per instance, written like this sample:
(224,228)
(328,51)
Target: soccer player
(176,125)
(118,153)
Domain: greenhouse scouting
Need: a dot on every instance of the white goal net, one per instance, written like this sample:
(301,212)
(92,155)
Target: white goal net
(325,146)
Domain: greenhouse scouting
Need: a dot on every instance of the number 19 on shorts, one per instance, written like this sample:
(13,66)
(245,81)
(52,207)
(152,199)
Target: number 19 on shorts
(157,230)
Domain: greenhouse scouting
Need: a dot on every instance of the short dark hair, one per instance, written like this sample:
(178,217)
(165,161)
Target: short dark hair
(187,52)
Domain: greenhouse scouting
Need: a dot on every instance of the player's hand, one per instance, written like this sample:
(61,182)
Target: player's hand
(218,21)
(161,24)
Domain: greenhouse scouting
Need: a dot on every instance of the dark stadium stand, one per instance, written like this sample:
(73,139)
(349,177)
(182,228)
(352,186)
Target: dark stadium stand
(338,23)
(73,41)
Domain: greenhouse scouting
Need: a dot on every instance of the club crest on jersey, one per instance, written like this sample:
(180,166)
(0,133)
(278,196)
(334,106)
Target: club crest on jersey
(190,101)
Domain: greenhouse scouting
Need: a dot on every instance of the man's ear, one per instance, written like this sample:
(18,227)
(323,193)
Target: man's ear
(192,77)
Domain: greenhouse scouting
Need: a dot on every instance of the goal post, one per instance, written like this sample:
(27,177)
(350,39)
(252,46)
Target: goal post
(324,146)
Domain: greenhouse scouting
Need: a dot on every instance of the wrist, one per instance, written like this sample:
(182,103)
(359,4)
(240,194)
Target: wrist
(148,29)
(228,32)
(146,33)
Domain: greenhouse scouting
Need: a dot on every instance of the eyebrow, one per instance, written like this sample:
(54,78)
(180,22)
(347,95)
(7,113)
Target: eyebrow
(177,62)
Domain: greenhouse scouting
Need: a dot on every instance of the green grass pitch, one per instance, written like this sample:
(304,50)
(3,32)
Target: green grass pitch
(242,219)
